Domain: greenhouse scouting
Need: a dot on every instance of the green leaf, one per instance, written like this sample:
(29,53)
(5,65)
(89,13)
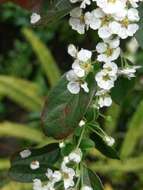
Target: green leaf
(17,186)
(128,165)
(123,87)
(87,143)
(63,110)
(21,91)
(101,145)
(22,131)
(113,112)
(134,133)
(90,179)
(20,168)
(44,55)
(139,33)
(67,149)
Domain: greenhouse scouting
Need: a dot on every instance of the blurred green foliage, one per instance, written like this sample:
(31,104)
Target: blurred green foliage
(29,67)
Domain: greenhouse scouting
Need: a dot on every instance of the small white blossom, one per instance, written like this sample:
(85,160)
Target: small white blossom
(132,46)
(37,184)
(34,165)
(81,123)
(109,140)
(35,18)
(105,101)
(110,6)
(109,51)
(75,156)
(76,20)
(97,19)
(55,176)
(126,26)
(25,153)
(75,84)
(72,50)
(86,188)
(62,144)
(68,177)
(129,72)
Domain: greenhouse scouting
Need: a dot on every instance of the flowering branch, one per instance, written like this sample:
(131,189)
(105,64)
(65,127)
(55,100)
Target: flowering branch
(74,104)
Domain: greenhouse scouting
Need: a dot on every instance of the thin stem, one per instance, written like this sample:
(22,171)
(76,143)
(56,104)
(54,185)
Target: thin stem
(81,136)
(95,131)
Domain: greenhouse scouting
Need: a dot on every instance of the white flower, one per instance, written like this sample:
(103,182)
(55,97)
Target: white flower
(94,18)
(125,26)
(134,3)
(72,50)
(68,177)
(79,71)
(111,68)
(111,6)
(109,51)
(75,156)
(76,20)
(62,144)
(97,19)
(34,165)
(55,176)
(132,46)
(86,188)
(37,184)
(104,80)
(81,123)
(75,84)
(104,101)
(82,64)
(109,140)
(35,18)
(25,153)
(84,55)
(129,72)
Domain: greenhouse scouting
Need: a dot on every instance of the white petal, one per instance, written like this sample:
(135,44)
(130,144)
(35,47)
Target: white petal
(71,76)
(73,87)
(72,50)
(104,32)
(76,12)
(133,14)
(132,29)
(84,55)
(101,47)
(34,165)
(78,70)
(25,153)
(35,18)
(85,87)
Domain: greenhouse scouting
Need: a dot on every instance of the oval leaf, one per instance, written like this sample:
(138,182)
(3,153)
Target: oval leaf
(90,179)
(63,110)
(20,167)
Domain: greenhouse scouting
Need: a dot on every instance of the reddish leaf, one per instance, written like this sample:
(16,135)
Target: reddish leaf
(28,4)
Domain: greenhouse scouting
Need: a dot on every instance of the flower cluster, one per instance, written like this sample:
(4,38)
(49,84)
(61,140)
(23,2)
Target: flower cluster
(68,174)
(113,20)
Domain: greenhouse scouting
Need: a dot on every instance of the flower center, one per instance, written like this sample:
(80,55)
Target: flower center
(112,1)
(87,67)
(105,20)
(106,77)
(109,52)
(82,21)
(65,175)
(125,22)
